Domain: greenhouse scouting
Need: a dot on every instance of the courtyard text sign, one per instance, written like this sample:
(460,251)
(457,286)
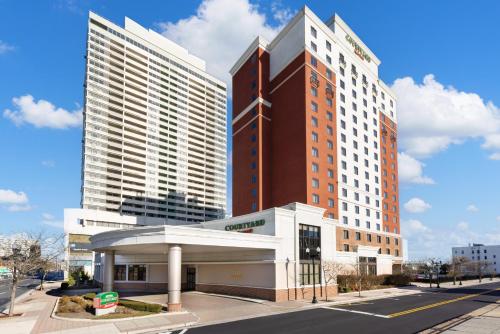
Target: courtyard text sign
(357,49)
(244,227)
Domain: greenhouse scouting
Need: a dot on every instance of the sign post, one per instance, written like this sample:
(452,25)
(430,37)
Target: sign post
(105,302)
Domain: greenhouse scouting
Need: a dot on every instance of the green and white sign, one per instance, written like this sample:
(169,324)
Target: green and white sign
(105,300)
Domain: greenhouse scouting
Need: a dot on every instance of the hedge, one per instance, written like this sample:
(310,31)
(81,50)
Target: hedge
(348,283)
(140,306)
(89,296)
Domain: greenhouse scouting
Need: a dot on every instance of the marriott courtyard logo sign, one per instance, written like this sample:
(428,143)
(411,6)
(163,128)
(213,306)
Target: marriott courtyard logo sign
(357,49)
(245,227)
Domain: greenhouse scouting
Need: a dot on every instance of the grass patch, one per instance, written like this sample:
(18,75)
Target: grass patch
(82,307)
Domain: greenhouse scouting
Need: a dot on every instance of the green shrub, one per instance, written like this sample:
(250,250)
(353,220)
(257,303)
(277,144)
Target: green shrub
(140,306)
(89,296)
(397,280)
(71,281)
(64,285)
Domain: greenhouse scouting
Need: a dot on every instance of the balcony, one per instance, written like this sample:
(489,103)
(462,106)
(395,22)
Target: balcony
(365,83)
(314,82)
(329,93)
(354,74)
(342,63)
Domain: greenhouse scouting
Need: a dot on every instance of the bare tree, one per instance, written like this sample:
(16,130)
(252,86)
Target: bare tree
(456,268)
(27,253)
(331,270)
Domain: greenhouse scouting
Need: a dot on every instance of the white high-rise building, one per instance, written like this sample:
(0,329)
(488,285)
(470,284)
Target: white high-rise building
(154,141)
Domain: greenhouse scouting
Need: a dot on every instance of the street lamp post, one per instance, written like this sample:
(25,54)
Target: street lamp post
(438,266)
(313,255)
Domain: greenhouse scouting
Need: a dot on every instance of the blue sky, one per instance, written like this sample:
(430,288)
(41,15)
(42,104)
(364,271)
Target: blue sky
(449,122)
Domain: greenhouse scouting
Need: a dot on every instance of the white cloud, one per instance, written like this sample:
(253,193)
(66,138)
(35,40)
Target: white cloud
(413,226)
(19,208)
(4,47)
(15,201)
(494,156)
(48,163)
(53,223)
(280,13)
(221,30)
(48,216)
(472,208)
(42,113)
(8,196)
(50,220)
(410,170)
(463,226)
(416,205)
(432,117)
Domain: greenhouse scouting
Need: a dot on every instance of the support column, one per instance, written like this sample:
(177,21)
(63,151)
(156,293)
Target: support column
(109,265)
(174,278)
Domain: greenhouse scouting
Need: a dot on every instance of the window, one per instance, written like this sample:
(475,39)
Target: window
(314,61)
(253,138)
(331,203)
(369,237)
(309,237)
(137,272)
(330,187)
(314,122)
(358,236)
(120,272)
(315,137)
(254,178)
(345,220)
(329,47)
(379,239)
(315,152)
(313,32)
(315,183)
(330,173)
(346,234)
(314,47)
(314,91)
(314,106)
(315,167)
(329,74)
(315,198)
(346,248)
(387,240)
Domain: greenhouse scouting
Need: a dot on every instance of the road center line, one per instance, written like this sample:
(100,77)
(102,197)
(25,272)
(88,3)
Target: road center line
(444,302)
(359,312)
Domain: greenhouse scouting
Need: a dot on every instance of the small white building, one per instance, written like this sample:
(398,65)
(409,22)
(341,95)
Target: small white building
(260,255)
(478,252)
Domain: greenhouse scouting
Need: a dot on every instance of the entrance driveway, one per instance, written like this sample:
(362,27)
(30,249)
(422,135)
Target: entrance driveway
(211,308)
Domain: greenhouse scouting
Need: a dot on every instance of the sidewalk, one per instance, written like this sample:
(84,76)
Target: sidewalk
(37,311)
(483,320)
(449,285)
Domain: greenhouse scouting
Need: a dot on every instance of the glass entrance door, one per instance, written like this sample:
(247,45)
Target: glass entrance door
(191,279)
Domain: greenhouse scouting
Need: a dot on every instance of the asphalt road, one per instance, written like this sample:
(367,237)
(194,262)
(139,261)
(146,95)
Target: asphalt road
(406,314)
(5,285)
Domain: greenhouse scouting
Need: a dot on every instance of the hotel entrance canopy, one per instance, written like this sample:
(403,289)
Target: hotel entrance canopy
(155,240)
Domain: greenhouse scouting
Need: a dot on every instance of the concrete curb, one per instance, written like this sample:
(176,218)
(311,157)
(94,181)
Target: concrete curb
(54,316)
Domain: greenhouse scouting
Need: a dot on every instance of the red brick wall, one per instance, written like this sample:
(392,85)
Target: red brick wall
(251,81)
(389,175)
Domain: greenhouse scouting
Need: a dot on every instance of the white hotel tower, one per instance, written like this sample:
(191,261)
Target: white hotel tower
(154,141)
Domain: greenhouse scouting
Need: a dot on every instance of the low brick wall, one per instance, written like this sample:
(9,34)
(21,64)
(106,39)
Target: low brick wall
(268,294)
